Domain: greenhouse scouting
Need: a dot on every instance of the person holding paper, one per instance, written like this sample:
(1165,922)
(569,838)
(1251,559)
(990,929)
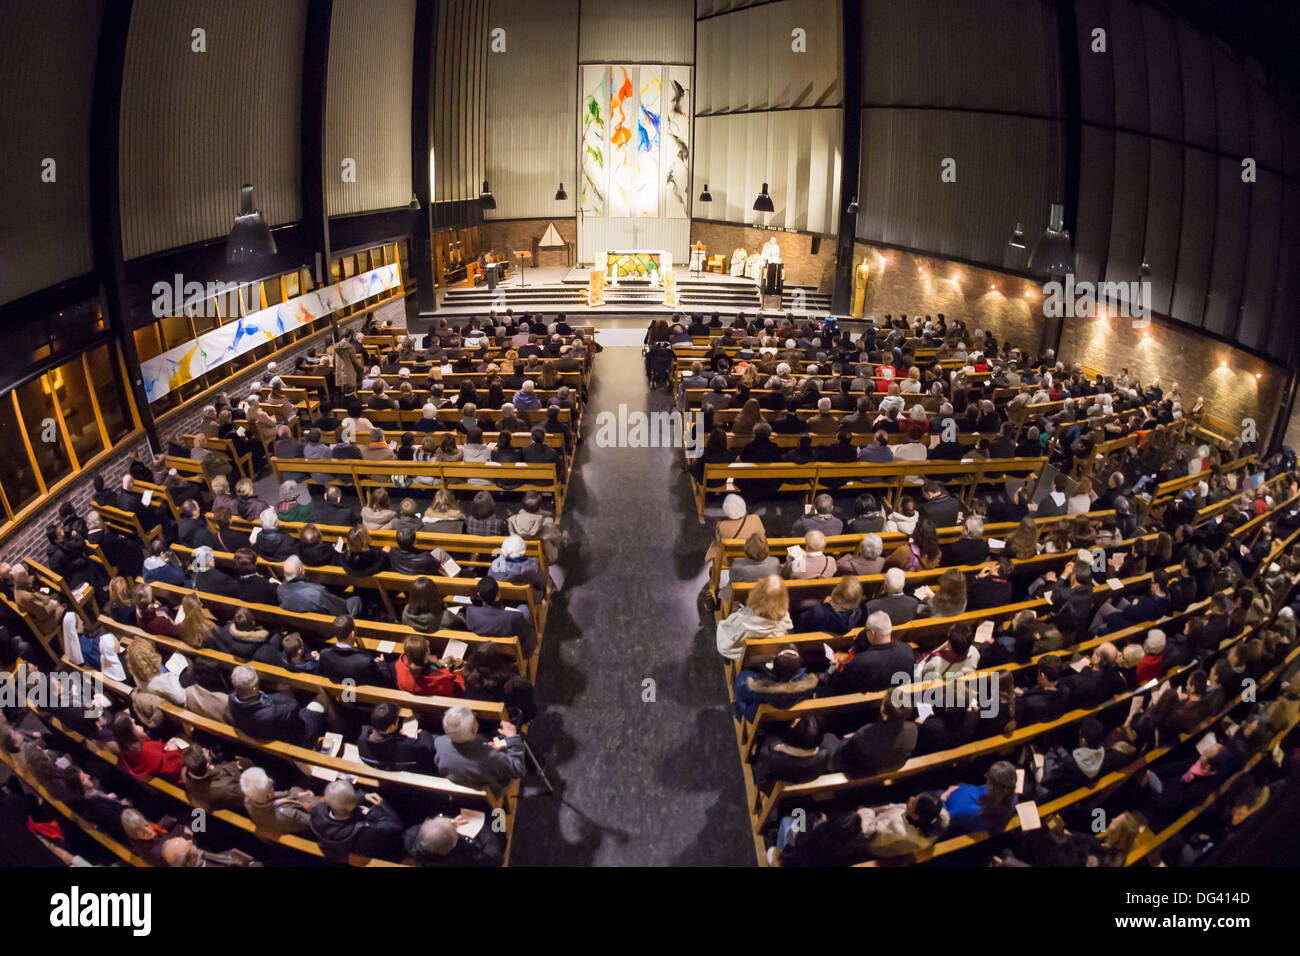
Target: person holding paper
(489,617)
(875,661)
(145,665)
(383,743)
(346,823)
(467,759)
(439,842)
(895,604)
(347,660)
(299,594)
(406,558)
(418,672)
(970,548)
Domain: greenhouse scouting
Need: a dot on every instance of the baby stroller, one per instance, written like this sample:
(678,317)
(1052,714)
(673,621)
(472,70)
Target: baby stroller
(659,365)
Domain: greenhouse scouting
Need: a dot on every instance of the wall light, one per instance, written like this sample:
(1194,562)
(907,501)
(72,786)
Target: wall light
(1223,364)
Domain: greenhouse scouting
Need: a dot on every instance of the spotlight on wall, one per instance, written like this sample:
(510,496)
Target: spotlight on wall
(763,203)
(414,205)
(706,196)
(1223,364)
(993,287)
(485,198)
(1259,375)
(560,194)
(1017,240)
(1145,268)
(250,237)
(1146,334)
(853,206)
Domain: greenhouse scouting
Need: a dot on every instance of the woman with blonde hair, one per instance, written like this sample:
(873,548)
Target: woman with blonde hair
(750,416)
(120,607)
(766,613)
(549,377)
(443,516)
(145,665)
(949,597)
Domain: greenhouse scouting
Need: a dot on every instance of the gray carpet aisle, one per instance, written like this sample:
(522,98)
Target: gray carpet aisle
(637,783)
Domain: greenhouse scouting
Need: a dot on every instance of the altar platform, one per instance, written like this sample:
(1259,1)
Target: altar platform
(560,289)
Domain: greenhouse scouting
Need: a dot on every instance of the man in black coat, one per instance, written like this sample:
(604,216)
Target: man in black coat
(1071,599)
(970,548)
(344,825)
(210,579)
(191,530)
(406,558)
(333,512)
(272,541)
(314,550)
(272,716)
(488,617)
(123,552)
(383,744)
(990,587)
(1046,700)
(537,452)
(346,660)
(939,506)
(1096,683)
(877,660)
(436,842)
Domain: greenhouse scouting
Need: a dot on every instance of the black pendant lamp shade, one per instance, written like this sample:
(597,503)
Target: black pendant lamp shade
(764,202)
(1017,240)
(1052,255)
(250,237)
(706,196)
(485,198)
(560,194)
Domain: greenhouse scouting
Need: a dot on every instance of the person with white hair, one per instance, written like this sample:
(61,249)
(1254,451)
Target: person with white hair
(258,418)
(345,824)
(877,659)
(1152,664)
(428,420)
(737,522)
(208,578)
(898,606)
(271,541)
(782,378)
(290,507)
(868,559)
(467,759)
(437,842)
(273,716)
(823,423)
(513,565)
(296,593)
(810,561)
(526,398)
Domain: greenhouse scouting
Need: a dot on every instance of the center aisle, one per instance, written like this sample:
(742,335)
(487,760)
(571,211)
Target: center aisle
(635,734)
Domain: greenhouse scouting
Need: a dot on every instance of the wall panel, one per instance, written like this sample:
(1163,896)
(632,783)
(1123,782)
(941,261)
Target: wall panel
(195,126)
(531,128)
(368,106)
(459,98)
(47,76)
(634,31)
(1007,171)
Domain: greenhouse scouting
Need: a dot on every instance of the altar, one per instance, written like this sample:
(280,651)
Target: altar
(635,264)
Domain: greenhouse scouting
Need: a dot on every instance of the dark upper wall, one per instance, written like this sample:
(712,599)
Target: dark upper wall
(368,106)
(45,113)
(195,126)
(1168,115)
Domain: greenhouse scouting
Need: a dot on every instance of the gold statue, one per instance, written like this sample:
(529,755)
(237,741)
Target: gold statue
(860,288)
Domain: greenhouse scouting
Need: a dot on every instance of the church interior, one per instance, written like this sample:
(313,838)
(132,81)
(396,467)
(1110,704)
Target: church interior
(764,434)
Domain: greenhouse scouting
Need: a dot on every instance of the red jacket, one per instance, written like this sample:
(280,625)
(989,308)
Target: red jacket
(434,683)
(153,759)
(1150,667)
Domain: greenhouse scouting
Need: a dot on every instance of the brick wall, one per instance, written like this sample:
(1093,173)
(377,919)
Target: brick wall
(904,283)
(507,235)
(28,539)
(802,267)
(1177,354)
